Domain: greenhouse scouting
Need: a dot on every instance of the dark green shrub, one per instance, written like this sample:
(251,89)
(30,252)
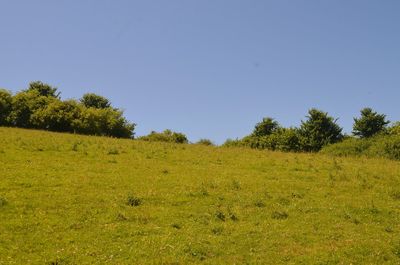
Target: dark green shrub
(319,130)
(205,142)
(369,124)
(165,136)
(58,116)
(133,201)
(40,107)
(266,127)
(91,100)
(24,104)
(233,143)
(5,106)
(104,122)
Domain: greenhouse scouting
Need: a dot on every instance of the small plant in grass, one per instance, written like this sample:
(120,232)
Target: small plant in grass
(113,151)
(121,217)
(233,217)
(260,204)
(279,215)
(396,250)
(236,185)
(176,226)
(133,201)
(220,215)
(3,202)
(75,146)
(217,230)
(396,195)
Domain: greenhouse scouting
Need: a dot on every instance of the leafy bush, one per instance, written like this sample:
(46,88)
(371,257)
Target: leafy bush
(205,142)
(394,129)
(5,106)
(58,115)
(40,107)
(104,122)
(233,143)
(385,146)
(282,139)
(165,136)
(24,104)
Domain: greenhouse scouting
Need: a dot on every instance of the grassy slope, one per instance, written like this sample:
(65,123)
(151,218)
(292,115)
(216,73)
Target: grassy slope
(66,202)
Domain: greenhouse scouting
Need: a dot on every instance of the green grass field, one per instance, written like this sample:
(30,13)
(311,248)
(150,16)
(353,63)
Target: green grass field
(70,199)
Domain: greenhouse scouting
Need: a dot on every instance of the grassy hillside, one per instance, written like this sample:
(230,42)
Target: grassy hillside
(67,199)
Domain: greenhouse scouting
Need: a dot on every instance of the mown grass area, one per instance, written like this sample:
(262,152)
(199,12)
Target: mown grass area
(69,199)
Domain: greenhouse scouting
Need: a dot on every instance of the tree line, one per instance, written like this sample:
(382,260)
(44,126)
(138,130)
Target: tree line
(317,131)
(40,107)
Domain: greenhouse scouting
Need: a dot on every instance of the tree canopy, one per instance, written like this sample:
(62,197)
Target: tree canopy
(369,124)
(40,107)
(318,130)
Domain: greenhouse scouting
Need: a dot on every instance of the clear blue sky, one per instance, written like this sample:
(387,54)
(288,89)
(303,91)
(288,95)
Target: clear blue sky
(209,68)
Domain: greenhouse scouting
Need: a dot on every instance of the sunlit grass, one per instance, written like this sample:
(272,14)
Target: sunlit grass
(69,199)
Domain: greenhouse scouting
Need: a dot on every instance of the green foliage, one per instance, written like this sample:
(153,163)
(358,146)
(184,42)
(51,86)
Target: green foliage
(91,100)
(165,136)
(394,129)
(386,146)
(205,142)
(266,127)
(104,122)
(287,140)
(43,89)
(24,104)
(369,124)
(5,106)
(319,130)
(233,143)
(40,107)
(60,116)
(282,139)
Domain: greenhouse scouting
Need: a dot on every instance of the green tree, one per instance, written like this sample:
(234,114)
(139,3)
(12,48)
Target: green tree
(369,124)
(318,130)
(57,116)
(287,140)
(24,104)
(43,89)
(5,106)
(266,127)
(91,100)
(104,122)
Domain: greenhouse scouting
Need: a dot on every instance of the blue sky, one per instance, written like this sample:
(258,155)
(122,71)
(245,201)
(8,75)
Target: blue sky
(209,68)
